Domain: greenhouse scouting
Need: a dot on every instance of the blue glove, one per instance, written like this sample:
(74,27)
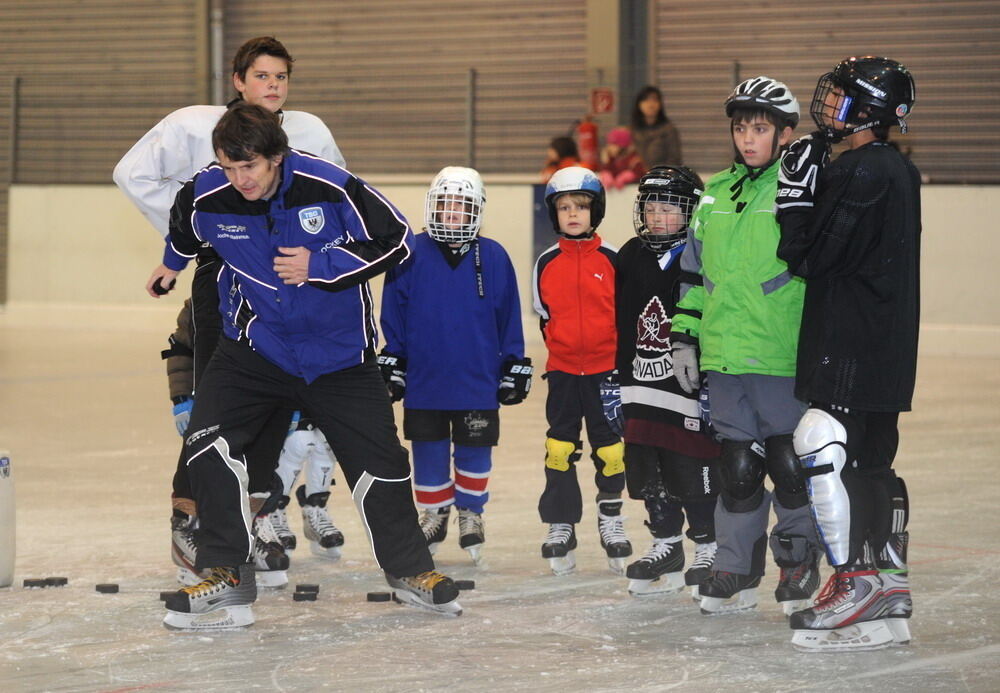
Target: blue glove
(294,424)
(182,414)
(611,401)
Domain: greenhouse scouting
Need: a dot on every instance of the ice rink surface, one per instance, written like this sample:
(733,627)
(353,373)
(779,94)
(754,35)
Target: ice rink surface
(85,413)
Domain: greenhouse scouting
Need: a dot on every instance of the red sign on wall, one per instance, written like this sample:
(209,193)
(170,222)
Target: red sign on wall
(602,100)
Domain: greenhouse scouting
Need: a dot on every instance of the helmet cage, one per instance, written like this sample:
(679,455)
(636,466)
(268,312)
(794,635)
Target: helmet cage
(663,240)
(453,212)
(845,102)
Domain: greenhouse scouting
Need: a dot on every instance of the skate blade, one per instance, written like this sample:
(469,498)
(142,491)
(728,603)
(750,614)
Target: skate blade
(695,594)
(476,554)
(741,601)
(563,565)
(330,554)
(617,565)
(275,579)
(793,605)
(226,618)
(867,635)
(671,583)
(900,629)
(452,609)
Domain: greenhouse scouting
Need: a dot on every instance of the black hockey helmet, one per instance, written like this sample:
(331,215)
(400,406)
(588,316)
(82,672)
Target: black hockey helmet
(676,191)
(863,93)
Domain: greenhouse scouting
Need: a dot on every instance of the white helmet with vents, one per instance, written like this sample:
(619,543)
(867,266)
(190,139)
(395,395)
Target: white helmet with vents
(765,94)
(455,201)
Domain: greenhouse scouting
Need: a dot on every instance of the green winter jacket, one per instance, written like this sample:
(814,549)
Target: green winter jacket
(746,315)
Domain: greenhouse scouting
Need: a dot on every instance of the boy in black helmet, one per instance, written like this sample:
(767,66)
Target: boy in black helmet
(852,229)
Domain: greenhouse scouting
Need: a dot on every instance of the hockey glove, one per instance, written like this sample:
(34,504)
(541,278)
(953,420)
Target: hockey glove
(515,381)
(800,167)
(393,373)
(686,365)
(611,401)
(182,413)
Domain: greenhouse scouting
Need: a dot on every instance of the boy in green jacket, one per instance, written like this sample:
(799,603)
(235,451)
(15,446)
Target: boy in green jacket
(741,311)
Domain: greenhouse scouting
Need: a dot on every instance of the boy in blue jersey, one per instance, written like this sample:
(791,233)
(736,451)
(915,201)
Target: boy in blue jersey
(454,349)
(299,237)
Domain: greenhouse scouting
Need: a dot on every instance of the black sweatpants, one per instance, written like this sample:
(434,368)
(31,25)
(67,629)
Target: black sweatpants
(206,328)
(239,391)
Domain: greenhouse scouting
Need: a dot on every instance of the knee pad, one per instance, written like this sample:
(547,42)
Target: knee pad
(785,471)
(610,459)
(560,455)
(742,469)
(821,444)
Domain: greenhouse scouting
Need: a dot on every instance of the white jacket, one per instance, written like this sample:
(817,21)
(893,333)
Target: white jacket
(180,145)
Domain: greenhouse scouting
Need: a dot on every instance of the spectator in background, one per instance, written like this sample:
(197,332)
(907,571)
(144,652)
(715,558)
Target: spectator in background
(620,164)
(562,154)
(656,139)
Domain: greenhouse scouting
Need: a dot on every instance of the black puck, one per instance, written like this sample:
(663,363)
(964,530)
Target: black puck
(35,583)
(304,597)
(165,595)
(379,596)
(463,585)
(307,588)
(107,588)
(56,581)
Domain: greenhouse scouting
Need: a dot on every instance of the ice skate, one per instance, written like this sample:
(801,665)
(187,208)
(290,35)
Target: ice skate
(431,590)
(183,550)
(611,526)
(796,586)
(659,571)
(850,614)
(279,521)
(896,587)
(724,593)
(269,558)
(219,602)
(701,568)
(323,536)
(559,547)
(434,525)
(471,533)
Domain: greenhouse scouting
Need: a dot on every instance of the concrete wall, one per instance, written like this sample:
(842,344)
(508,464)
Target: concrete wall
(88,248)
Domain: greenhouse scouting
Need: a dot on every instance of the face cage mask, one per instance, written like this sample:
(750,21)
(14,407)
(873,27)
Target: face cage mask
(830,107)
(453,217)
(661,241)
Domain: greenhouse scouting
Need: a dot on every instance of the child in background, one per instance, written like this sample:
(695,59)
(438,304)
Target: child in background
(562,153)
(620,164)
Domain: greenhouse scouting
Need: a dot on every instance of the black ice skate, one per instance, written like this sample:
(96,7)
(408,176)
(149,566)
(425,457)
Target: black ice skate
(434,525)
(659,571)
(850,614)
(431,590)
(269,558)
(701,568)
(559,547)
(726,592)
(219,602)
(895,576)
(796,585)
(471,533)
(183,550)
(611,526)
(323,536)
(279,521)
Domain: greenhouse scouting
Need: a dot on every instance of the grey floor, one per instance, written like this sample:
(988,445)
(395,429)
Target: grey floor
(84,412)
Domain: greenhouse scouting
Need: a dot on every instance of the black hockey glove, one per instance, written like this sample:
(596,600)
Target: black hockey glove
(515,381)
(611,401)
(393,373)
(800,167)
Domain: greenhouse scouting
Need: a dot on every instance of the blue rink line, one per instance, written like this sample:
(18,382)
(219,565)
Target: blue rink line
(53,378)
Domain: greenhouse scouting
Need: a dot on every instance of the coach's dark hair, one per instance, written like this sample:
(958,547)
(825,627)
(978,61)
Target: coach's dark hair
(256,47)
(247,130)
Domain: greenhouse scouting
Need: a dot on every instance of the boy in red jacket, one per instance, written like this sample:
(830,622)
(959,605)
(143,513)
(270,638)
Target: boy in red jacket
(574,293)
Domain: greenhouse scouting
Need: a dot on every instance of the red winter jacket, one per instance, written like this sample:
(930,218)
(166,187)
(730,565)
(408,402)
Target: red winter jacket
(574,292)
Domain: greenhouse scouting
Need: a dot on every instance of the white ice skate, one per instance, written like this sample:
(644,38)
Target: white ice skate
(849,615)
(471,534)
(431,591)
(659,571)
(724,593)
(222,601)
(279,521)
(559,547)
(325,540)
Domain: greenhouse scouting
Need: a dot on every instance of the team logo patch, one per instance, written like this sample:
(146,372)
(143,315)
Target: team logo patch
(312,219)
(902,109)
(653,327)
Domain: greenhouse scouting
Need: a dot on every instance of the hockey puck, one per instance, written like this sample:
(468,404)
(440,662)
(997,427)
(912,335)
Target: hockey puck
(56,581)
(379,596)
(107,588)
(32,583)
(304,597)
(307,588)
(463,585)
(165,595)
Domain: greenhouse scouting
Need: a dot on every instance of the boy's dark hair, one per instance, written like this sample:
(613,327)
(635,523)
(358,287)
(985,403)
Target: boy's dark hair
(638,119)
(247,130)
(256,47)
(748,115)
(564,147)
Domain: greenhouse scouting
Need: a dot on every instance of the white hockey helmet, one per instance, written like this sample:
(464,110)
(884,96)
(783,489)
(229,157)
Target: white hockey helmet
(454,209)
